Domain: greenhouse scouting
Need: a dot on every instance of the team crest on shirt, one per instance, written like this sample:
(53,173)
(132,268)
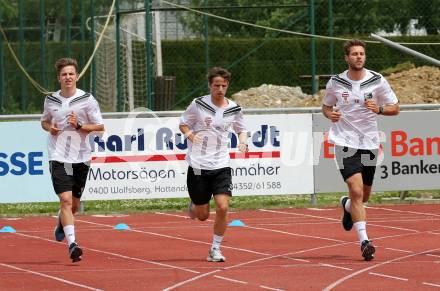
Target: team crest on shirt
(345,96)
(368,96)
(208,121)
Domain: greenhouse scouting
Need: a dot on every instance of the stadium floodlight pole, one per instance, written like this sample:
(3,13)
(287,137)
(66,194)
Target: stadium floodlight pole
(405,49)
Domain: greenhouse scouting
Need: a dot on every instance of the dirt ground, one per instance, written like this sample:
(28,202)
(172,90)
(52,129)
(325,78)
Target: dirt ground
(419,85)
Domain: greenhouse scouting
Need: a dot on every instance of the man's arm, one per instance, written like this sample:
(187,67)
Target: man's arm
(333,115)
(187,132)
(242,142)
(389,109)
(88,127)
(47,126)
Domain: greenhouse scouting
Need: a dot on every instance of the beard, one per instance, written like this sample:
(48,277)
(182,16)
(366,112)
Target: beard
(354,67)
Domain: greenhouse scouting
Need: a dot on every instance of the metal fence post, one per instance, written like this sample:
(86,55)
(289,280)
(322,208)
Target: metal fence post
(2,71)
(42,45)
(23,97)
(68,24)
(312,44)
(82,25)
(92,40)
(149,52)
(118,58)
(330,33)
(314,199)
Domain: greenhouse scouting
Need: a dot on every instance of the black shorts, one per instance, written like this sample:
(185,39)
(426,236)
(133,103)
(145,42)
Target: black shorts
(351,161)
(69,177)
(202,184)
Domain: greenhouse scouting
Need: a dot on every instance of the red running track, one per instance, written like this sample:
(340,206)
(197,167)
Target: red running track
(282,249)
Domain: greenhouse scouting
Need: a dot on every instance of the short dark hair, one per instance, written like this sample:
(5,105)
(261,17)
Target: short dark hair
(218,72)
(353,42)
(64,62)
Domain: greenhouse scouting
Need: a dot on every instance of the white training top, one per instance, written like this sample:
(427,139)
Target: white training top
(70,145)
(213,125)
(357,127)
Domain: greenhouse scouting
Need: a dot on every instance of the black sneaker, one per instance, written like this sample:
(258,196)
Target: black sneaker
(59,232)
(367,250)
(75,252)
(347,222)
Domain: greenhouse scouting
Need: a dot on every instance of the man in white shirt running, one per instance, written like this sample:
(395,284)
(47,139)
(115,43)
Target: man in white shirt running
(70,114)
(352,102)
(208,123)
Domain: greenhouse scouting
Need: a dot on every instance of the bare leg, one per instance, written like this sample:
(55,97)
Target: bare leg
(66,215)
(356,192)
(202,211)
(222,205)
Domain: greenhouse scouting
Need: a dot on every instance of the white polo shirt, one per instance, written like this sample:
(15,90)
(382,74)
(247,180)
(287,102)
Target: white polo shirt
(357,127)
(213,125)
(70,145)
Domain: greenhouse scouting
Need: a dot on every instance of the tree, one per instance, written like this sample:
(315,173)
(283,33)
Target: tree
(348,17)
(265,14)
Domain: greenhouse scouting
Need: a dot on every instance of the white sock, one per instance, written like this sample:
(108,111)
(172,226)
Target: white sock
(361,229)
(216,241)
(348,205)
(69,231)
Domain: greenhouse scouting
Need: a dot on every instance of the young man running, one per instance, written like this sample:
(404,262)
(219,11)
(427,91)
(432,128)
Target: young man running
(352,102)
(70,114)
(207,123)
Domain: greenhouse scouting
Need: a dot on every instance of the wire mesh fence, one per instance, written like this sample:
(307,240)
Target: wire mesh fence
(155,50)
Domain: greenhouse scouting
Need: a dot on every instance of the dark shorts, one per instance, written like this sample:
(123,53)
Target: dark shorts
(202,184)
(352,161)
(69,177)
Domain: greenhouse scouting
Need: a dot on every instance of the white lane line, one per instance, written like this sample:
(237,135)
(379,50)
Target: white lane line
(299,260)
(336,267)
(273,230)
(115,254)
(231,280)
(50,277)
(299,214)
(269,288)
(431,284)
(343,279)
(405,211)
(190,280)
(174,237)
(431,255)
(388,276)
(397,250)
(334,219)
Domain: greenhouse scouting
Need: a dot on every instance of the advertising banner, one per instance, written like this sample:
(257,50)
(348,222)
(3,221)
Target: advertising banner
(141,158)
(409,158)
(24,175)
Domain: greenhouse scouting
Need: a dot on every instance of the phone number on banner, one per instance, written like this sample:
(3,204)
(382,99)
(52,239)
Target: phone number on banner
(257,185)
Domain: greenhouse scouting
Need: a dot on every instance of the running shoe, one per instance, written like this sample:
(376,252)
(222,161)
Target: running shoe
(367,250)
(347,222)
(191,213)
(59,231)
(75,252)
(215,255)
